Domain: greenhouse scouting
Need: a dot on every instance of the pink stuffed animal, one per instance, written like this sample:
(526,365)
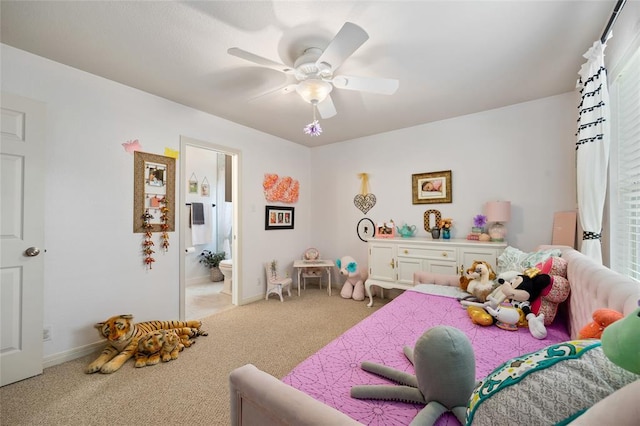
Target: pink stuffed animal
(353,287)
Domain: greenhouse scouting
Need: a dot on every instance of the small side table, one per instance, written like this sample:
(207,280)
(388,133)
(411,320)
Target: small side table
(326,265)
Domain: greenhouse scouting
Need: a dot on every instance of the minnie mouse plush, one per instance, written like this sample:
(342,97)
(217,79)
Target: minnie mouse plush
(524,290)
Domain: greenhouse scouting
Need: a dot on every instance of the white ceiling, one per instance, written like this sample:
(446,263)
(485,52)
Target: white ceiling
(451,57)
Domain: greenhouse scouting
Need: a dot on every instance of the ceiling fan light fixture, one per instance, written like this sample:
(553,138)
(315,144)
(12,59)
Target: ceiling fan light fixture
(314,90)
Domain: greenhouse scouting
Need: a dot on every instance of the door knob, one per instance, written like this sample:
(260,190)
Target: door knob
(32,251)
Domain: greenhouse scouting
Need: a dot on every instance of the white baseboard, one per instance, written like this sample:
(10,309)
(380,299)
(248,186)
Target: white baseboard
(79,352)
(252,299)
(70,355)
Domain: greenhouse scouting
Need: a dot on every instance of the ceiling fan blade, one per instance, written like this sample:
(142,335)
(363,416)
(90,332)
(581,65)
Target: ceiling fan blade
(289,88)
(348,40)
(326,108)
(383,86)
(248,56)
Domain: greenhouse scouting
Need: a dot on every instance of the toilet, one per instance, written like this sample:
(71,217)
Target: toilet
(226,267)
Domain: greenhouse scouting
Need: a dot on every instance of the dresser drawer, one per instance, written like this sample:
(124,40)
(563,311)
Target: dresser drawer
(444,253)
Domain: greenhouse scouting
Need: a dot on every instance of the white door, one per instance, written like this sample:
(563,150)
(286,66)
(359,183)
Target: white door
(21,237)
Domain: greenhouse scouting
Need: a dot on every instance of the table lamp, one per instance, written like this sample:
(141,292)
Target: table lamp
(497,213)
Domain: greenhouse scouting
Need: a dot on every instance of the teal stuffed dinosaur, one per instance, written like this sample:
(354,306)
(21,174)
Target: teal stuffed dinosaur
(621,342)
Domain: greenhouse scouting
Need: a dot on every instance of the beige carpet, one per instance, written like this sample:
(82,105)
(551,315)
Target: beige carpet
(193,389)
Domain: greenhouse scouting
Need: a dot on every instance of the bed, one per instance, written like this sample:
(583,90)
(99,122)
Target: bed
(317,391)
(329,374)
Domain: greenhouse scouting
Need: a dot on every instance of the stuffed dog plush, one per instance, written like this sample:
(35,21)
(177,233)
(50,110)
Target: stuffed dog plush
(478,281)
(353,287)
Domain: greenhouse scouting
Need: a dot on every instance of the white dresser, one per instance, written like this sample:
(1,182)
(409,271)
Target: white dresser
(392,262)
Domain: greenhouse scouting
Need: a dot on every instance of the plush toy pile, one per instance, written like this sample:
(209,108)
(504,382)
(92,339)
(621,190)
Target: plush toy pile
(534,295)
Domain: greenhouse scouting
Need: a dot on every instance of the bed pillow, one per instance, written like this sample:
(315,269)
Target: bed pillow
(556,292)
(513,259)
(536,388)
(554,266)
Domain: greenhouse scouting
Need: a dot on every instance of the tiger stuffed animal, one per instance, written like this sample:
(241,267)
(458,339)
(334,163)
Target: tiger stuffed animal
(171,347)
(159,344)
(123,334)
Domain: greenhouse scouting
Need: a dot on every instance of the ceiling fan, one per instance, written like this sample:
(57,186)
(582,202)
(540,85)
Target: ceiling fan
(315,69)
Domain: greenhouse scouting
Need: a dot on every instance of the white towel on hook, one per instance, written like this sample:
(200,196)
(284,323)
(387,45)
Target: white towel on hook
(202,234)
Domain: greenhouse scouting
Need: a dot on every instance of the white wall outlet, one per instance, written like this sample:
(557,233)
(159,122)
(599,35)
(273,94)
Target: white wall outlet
(258,282)
(47,333)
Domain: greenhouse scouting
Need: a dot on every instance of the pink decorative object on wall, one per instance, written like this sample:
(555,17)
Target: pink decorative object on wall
(132,146)
(285,189)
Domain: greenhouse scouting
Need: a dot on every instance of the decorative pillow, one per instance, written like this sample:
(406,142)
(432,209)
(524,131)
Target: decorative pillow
(554,266)
(556,292)
(513,259)
(537,388)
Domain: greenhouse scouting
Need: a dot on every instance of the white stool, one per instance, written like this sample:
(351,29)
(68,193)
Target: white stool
(312,274)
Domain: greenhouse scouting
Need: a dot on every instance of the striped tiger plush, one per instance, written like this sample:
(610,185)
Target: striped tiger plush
(159,344)
(122,336)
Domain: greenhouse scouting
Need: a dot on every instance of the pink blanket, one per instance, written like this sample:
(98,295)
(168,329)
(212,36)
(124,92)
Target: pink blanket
(329,374)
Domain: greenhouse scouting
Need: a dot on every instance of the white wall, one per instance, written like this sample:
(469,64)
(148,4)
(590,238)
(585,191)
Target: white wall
(524,153)
(93,264)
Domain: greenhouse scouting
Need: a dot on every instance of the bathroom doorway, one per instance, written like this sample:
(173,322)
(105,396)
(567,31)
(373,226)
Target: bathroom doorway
(208,213)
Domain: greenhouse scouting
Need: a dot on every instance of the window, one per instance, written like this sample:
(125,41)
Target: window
(625,169)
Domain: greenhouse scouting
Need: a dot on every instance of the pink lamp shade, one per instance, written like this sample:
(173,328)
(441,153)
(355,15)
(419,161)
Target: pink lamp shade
(498,211)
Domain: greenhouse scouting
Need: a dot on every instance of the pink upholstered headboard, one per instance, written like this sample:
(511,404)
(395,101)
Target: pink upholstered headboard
(593,287)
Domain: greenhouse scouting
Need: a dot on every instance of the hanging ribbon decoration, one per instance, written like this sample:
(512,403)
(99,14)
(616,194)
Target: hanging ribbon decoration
(365,200)
(164,227)
(147,243)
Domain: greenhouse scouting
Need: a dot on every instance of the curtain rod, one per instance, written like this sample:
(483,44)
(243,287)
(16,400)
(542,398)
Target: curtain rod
(612,20)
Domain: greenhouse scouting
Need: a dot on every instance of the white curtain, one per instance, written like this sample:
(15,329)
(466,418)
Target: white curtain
(592,149)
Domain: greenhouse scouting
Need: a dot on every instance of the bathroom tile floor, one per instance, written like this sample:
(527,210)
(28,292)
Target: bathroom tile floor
(205,299)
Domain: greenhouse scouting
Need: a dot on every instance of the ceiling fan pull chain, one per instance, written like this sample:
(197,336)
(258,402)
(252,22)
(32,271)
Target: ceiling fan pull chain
(313,128)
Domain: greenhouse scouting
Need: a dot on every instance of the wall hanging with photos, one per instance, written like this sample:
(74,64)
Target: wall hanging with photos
(153,200)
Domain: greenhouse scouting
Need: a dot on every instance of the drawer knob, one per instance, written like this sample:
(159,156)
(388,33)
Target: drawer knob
(444,254)
(406,252)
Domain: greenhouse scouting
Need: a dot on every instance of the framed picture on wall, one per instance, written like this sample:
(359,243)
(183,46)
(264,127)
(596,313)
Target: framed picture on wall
(276,217)
(431,188)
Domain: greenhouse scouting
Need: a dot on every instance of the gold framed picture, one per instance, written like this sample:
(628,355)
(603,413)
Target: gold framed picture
(432,188)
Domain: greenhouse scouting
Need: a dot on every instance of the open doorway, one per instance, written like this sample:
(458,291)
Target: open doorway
(208,212)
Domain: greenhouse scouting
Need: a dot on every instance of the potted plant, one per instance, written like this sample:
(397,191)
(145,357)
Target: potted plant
(212,260)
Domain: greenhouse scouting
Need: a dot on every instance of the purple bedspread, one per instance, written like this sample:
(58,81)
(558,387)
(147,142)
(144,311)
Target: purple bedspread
(329,374)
